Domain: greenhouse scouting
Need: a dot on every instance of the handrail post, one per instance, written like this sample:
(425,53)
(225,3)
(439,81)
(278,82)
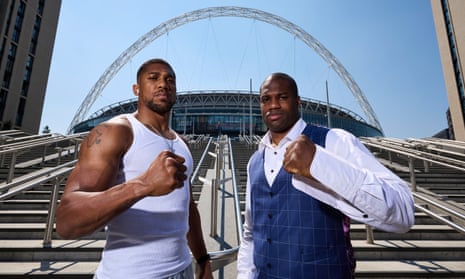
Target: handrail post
(426,165)
(60,150)
(214,209)
(11,171)
(413,181)
(44,154)
(51,213)
(216,187)
(76,149)
(370,237)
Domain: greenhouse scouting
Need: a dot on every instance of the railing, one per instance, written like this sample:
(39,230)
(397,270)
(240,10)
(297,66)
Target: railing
(15,149)
(222,258)
(56,175)
(219,259)
(435,207)
(237,206)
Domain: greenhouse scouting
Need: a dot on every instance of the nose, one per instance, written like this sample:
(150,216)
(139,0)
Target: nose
(162,83)
(274,103)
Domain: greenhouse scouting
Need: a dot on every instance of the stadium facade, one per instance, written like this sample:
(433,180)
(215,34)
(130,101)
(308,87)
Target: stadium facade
(229,112)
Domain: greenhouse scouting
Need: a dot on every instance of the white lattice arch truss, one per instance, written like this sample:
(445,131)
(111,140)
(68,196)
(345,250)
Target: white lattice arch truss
(200,14)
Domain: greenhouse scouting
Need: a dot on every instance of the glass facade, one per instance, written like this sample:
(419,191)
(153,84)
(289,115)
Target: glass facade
(234,113)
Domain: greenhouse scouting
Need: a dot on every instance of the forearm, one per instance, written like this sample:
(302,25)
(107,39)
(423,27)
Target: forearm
(382,197)
(81,213)
(195,236)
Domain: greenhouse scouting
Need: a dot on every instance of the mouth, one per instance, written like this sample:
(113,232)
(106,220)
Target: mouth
(272,115)
(161,94)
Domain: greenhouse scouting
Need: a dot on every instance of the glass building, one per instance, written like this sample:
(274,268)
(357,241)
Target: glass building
(28,30)
(233,112)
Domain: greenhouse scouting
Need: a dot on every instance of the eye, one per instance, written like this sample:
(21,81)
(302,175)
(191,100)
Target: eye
(264,99)
(153,77)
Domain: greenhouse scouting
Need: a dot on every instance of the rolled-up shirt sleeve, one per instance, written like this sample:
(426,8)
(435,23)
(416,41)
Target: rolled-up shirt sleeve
(349,178)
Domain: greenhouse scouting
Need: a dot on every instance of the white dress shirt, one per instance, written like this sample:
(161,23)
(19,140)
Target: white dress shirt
(356,184)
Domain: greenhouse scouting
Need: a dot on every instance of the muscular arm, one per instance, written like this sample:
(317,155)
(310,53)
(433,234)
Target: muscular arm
(91,198)
(88,202)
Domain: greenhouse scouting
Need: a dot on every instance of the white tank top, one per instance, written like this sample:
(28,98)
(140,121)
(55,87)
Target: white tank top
(149,239)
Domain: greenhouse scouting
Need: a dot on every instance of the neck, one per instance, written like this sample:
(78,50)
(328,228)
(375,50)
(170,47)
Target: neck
(166,133)
(159,126)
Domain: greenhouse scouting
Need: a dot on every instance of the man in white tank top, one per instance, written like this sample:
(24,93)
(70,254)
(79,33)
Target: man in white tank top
(132,177)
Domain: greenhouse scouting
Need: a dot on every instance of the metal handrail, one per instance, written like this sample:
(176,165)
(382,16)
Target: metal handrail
(416,154)
(35,179)
(197,169)
(448,210)
(19,148)
(6,148)
(236,195)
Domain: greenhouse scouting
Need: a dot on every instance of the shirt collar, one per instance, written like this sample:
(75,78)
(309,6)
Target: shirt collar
(295,131)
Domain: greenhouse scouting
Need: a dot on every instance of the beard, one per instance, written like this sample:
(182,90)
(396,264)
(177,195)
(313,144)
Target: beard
(160,108)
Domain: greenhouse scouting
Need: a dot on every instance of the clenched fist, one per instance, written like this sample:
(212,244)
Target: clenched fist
(299,156)
(165,174)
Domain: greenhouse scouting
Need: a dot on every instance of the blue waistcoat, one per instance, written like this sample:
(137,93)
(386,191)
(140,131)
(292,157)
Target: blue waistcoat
(295,235)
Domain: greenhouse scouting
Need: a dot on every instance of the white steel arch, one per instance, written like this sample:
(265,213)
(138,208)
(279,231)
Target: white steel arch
(228,11)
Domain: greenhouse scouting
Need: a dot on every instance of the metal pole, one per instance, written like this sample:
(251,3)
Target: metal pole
(370,237)
(328,110)
(11,171)
(250,111)
(413,180)
(185,118)
(51,212)
(216,187)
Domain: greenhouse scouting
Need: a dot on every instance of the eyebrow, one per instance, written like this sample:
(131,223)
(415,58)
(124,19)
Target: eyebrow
(158,73)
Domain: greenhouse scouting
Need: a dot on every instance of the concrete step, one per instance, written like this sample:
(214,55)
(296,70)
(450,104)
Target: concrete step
(417,232)
(410,269)
(61,250)
(409,250)
(23,216)
(30,231)
(90,250)
(358,232)
(364,269)
(79,259)
(24,204)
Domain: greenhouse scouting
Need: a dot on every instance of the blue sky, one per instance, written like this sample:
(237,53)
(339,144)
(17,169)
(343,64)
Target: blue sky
(388,46)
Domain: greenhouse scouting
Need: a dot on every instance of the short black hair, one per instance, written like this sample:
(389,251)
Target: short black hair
(279,75)
(150,62)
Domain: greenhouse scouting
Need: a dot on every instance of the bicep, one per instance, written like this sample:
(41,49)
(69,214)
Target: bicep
(99,160)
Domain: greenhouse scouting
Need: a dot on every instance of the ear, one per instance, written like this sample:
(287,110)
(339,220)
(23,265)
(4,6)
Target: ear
(135,89)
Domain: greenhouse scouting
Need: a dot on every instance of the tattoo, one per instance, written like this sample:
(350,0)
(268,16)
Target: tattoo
(95,136)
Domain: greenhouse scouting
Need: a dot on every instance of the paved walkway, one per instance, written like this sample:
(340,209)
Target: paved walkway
(226,232)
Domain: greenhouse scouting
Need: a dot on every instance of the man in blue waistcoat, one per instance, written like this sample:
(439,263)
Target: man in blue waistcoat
(304,185)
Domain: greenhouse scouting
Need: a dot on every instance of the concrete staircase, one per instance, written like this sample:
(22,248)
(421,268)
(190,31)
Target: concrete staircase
(430,250)
(24,249)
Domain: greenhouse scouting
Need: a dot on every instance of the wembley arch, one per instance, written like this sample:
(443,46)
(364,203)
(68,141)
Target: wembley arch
(228,11)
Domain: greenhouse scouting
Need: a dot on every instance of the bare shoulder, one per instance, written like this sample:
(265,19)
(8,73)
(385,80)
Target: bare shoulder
(114,134)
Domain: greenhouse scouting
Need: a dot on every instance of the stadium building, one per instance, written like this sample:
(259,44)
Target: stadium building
(231,111)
